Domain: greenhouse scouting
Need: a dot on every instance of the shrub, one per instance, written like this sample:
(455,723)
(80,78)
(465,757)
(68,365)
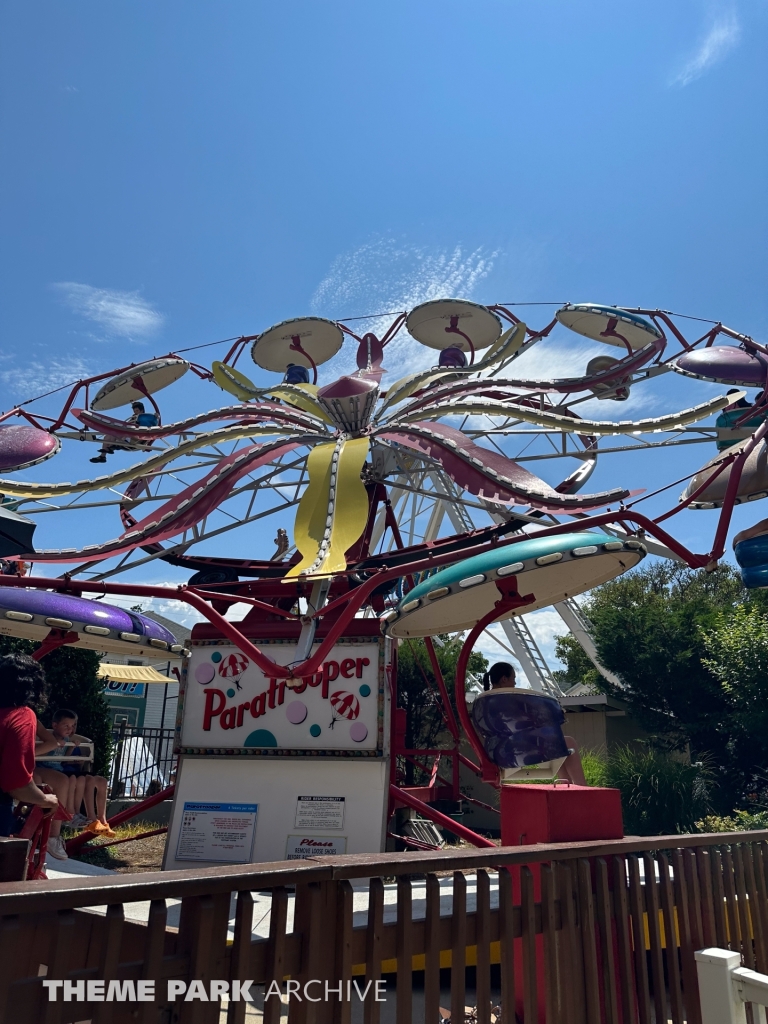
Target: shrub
(739,821)
(660,795)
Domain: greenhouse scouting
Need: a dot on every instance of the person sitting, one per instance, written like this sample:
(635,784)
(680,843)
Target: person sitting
(296,374)
(452,358)
(73,788)
(732,413)
(139,418)
(524,732)
(22,683)
(758,530)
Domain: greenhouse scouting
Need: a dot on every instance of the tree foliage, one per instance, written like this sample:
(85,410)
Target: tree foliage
(737,655)
(690,648)
(71,674)
(417,691)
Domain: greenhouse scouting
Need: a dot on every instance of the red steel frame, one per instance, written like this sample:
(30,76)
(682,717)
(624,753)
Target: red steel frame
(341,611)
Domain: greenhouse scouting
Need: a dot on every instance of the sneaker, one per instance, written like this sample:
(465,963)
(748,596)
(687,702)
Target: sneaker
(78,821)
(99,458)
(56,848)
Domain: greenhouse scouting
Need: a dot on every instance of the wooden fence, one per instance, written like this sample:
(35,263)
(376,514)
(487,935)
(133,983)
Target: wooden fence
(584,933)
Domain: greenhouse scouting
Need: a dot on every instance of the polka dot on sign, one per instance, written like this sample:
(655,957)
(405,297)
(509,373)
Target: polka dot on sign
(296,712)
(230,693)
(204,673)
(358,732)
(365,690)
(315,730)
(216,656)
(260,738)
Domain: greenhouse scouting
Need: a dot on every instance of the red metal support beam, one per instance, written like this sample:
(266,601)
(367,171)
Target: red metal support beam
(400,797)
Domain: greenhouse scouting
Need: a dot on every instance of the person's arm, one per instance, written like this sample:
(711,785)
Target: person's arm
(17,759)
(45,741)
(32,794)
(753,531)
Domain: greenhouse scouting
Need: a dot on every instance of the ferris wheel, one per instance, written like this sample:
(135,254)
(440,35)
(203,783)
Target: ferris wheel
(351,469)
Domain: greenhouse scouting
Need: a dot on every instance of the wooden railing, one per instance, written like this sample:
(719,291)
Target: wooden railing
(584,933)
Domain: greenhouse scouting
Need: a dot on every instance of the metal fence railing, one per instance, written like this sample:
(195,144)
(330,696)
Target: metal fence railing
(142,762)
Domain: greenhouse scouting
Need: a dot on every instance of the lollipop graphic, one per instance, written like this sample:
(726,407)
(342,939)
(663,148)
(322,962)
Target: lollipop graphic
(232,667)
(345,705)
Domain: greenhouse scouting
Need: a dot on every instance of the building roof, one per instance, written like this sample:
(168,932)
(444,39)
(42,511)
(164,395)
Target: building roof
(182,633)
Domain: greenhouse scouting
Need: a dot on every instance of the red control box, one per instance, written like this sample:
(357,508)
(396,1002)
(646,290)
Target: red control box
(559,814)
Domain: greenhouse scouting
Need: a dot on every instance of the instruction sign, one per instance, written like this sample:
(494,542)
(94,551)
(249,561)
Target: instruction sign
(319,812)
(301,847)
(217,832)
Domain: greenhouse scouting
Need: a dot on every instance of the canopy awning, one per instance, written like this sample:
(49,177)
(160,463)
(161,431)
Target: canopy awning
(132,674)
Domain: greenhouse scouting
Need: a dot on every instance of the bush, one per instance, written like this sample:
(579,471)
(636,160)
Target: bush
(739,821)
(660,795)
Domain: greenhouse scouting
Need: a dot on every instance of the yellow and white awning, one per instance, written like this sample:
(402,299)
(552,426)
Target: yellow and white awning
(132,674)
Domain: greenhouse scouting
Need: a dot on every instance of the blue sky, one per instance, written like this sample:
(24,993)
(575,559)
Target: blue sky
(177,173)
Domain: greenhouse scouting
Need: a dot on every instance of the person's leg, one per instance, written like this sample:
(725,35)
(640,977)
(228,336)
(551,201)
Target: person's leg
(71,794)
(571,768)
(80,784)
(60,784)
(101,798)
(7,818)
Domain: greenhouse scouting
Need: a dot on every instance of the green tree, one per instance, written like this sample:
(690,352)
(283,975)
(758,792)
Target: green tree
(648,629)
(417,692)
(737,655)
(73,682)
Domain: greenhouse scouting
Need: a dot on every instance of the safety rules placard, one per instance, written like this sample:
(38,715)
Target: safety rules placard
(217,832)
(319,812)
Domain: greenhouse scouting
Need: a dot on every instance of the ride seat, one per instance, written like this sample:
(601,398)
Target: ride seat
(752,556)
(519,727)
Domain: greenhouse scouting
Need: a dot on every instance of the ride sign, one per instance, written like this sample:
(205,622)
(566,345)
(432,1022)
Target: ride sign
(230,706)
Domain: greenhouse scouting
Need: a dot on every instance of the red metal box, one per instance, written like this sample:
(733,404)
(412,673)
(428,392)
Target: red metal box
(559,814)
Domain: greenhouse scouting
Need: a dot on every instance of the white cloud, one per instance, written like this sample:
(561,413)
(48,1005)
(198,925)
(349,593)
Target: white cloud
(35,378)
(544,625)
(387,276)
(122,313)
(724,33)
(171,608)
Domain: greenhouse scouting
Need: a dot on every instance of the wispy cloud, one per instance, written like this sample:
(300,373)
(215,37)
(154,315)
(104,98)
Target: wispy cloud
(723,34)
(125,314)
(544,624)
(36,377)
(385,276)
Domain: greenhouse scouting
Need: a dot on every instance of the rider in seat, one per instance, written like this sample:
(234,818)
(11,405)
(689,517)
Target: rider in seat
(520,727)
(140,418)
(296,374)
